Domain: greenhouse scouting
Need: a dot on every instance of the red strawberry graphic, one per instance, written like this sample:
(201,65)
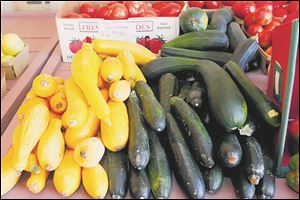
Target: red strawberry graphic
(153,45)
(87,39)
(75,46)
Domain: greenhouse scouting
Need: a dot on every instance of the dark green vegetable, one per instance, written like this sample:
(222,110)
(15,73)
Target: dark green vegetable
(196,95)
(158,170)
(168,86)
(152,110)
(260,105)
(139,184)
(219,57)
(249,127)
(184,90)
(193,19)
(117,173)
(213,178)
(186,170)
(138,146)
(199,140)
(235,34)
(220,19)
(204,40)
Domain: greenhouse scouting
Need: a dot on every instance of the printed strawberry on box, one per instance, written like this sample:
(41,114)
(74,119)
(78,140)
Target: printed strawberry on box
(151,32)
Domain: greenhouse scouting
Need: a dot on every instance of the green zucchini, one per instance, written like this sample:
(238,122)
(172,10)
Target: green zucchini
(252,161)
(139,184)
(158,170)
(186,170)
(117,174)
(204,40)
(213,178)
(199,140)
(196,95)
(138,145)
(244,53)
(235,34)
(260,105)
(152,110)
(184,90)
(220,57)
(220,19)
(249,128)
(168,85)
(229,150)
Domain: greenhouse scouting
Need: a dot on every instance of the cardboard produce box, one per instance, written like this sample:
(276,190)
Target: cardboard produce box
(73,31)
(17,65)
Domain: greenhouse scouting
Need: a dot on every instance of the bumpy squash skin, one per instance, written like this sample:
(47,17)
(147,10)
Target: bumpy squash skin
(115,137)
(112,69)
(67,176)
(89,129)
(27,104)
(77,110)
(85,68)
(36,182)
(33,126)
(128,62)
(9,176)
(119,90)
(51,146)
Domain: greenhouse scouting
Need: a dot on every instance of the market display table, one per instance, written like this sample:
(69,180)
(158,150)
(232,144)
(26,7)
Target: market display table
(56,67)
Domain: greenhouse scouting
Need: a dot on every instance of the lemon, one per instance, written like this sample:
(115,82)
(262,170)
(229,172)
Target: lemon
(11,44)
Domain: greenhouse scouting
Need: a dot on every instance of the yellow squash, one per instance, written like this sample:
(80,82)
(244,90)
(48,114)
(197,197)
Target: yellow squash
(27,104)
(128,62)
(115,137)
(58,103)
(31,94)
(34,124)
(67,176)
(111,69)
(32,164)
(36,182)
(113,47)
(85,67)
(139,76)
(88,152)
(44,85)
(9,176)
(54,115)
(51,146)
(77,110)
(120,90)
(95,181)
(59,80)
(89,129)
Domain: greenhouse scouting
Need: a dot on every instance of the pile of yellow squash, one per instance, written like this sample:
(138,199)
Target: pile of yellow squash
(65,125)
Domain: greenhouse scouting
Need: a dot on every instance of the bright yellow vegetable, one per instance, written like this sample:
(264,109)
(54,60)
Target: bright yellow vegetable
(44,85)
(9,176)
(95,181)
(11,44)
(32,164)
(115,137)
(105,93)
(74,135)
(51,146)
(34,124)
(36,182)
(85,68)
(27,104)
(128,62)
(120,90)
(139,75)
(111,69)
(88,152)
(113,47)
(77,110)
(54,115)
(30,95)
(58,104)
(59,80)
(67,176)
(101,82)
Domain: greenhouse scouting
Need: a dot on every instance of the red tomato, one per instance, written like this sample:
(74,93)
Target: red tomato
(280,12)
(159,5)
(291,17)
(117,11)
(243,8)
(278,4)
(101,12)
(181,3)
(269,51)
(294,127)
(293,7)
(267,4)
(112,3)
(272,25)
(254,29)
(170,10)
(86,8)
(198,4)
(135,8)
(265,39)
(248,20)
(85,15)
(213,4)
(262,16)
(148,13)
(228,3)
(72,15)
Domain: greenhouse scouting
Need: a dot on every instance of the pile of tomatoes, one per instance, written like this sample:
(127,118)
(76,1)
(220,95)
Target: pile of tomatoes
(261,17)
(116,10)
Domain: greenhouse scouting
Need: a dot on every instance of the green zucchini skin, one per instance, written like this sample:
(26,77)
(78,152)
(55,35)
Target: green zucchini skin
(260,105)
(158,169)
(197,136)
(117,174)
(184,90)
(204,40)
(220,57)
(196,95)
(138,146)
(220,19)
(168,86)
(185,168)
(244,53)
(235,35)
(139,184)
(213,178)
(252,161)
(229,150)
(152,110)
